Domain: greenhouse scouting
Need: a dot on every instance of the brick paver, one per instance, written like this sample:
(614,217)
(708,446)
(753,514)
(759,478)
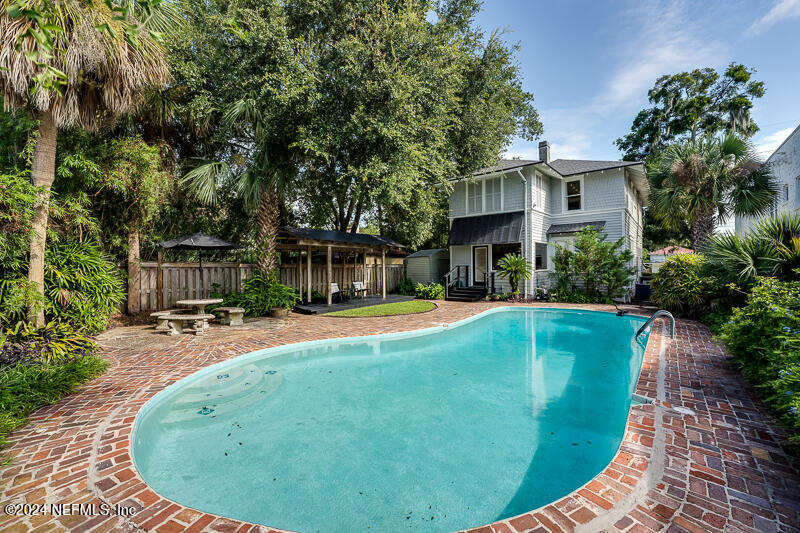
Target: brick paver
(716,464)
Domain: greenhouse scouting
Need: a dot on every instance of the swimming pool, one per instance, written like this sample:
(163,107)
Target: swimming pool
(436,430)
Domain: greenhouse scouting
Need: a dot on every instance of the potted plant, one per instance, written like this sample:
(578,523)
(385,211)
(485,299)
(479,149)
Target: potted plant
(281,299)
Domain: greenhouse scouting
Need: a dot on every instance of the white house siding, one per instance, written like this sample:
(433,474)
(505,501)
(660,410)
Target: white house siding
(785,166)
(513,200)
(603,190)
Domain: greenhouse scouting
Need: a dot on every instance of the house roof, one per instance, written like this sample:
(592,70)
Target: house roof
(344,237)
(576,226)
(498,228)
(506,164)
(672,250)
(570,167)
(426,253)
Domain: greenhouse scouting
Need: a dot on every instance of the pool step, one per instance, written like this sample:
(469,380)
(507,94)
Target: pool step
(227,392)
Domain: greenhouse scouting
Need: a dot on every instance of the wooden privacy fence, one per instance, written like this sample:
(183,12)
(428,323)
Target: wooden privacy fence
(181,281)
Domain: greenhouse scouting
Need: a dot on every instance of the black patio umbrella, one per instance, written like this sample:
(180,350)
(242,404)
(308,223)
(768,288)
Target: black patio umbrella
(199,242)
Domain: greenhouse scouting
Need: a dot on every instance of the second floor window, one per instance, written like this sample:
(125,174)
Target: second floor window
(573,195)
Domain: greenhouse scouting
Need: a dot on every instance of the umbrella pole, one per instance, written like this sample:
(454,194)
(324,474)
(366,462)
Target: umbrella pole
(202,281)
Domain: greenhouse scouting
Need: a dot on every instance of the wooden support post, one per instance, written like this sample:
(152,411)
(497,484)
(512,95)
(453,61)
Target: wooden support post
(383,272)
(308,274)
(299,274)
(160,282)
(364,268)
(329,277)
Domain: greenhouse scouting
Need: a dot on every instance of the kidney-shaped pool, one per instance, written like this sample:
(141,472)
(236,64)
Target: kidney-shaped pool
(436,430)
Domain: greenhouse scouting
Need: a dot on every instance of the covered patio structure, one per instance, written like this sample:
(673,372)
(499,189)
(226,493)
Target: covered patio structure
(358,245)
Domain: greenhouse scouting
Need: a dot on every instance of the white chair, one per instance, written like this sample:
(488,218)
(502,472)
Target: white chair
(360,288)
(336,291)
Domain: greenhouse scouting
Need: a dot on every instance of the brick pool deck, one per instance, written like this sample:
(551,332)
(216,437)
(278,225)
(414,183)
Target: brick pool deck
(715,464)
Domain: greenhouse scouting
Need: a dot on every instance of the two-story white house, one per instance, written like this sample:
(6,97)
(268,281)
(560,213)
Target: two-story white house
(526,206)
(784,164)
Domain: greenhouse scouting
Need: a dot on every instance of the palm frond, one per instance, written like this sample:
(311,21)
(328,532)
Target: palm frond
(202,180)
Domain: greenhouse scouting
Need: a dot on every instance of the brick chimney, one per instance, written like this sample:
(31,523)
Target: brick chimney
(544,151)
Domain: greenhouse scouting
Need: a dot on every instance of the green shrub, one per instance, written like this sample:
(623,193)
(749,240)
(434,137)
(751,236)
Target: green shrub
(406,287)
(594,267)
(81,286)
(764,339)
(23,388)
(429,291)
(262,292)
(575,297)
(683,288)
(55,343)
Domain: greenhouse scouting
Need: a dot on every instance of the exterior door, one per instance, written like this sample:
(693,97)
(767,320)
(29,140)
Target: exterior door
(480,258)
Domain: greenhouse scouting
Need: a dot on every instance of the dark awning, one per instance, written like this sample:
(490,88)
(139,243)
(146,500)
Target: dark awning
(577,226)
(198,241)
(499,228)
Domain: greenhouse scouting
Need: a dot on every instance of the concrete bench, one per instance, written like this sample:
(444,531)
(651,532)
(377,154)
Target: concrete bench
(176,323)
(161,323)
(231,316)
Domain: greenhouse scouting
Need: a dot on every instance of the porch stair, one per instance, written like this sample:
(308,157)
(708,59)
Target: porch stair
(466,294)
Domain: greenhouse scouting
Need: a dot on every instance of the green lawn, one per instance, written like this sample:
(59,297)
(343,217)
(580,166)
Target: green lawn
(397,308)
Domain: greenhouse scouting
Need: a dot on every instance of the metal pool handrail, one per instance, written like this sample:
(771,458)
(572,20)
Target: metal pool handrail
(658,314)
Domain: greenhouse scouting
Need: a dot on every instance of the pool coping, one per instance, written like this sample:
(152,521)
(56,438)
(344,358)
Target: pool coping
(588,508)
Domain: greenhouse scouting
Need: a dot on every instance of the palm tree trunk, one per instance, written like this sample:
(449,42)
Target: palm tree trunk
(268,219)
(134,272)
(702,229)
(42,174)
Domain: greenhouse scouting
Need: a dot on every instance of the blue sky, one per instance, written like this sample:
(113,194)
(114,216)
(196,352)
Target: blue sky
(589,64)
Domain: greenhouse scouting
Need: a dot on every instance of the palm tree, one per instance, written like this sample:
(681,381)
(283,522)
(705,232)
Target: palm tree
(263,176)
(515,268)
(699,182)
(771,249)
(76,63)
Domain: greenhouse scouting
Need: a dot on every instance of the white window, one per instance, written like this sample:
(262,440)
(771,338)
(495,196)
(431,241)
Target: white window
(493,194)
(541,256)
(572,196)
(475,197)
(785,192)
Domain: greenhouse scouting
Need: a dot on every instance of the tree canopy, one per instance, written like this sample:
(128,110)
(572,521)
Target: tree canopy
(688,105)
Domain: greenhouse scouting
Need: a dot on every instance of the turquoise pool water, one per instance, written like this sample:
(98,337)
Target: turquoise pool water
(438,430)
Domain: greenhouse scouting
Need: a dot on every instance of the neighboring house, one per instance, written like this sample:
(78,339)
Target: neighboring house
(785,166)
(428,266)
(526,207)
(658,257)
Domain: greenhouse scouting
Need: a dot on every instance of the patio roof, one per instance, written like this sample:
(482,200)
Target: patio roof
(290,237)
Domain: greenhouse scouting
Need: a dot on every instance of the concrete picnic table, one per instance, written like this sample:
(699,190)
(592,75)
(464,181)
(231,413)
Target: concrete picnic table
(199,306)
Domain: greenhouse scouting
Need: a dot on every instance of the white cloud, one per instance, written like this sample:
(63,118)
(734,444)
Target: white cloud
(661,38)
(656,38)
(782,10)
(767,144)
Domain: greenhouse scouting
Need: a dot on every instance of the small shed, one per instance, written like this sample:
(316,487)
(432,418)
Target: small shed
(428,266)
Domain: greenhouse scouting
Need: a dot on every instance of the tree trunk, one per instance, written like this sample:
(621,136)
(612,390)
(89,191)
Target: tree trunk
(268,218)
(134,272)
(702,229)
(42,174)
